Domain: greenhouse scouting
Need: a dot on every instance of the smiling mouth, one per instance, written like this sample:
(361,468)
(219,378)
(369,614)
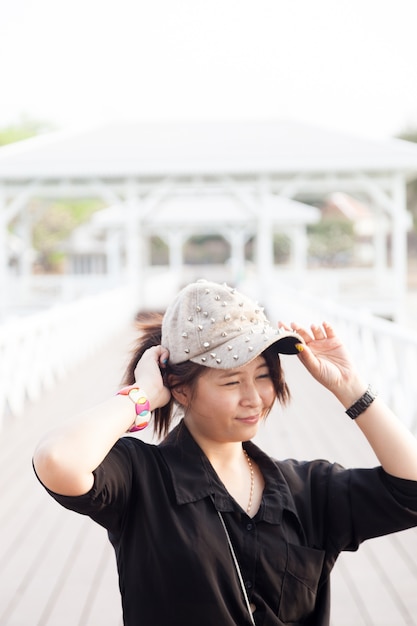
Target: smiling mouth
(251,419)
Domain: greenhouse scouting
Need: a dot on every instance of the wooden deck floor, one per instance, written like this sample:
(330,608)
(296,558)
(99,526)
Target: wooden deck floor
(58,569)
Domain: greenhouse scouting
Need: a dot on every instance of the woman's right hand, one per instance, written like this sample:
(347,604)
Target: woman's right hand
(149,377)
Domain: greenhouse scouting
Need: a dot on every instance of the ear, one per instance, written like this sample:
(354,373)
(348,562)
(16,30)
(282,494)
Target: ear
(181,394)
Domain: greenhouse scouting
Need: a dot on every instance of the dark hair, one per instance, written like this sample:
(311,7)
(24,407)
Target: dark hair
(149,326)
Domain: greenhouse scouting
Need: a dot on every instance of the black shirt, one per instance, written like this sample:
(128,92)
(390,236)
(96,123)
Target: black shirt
(159,505)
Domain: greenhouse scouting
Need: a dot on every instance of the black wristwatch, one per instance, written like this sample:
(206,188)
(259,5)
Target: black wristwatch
(362,404)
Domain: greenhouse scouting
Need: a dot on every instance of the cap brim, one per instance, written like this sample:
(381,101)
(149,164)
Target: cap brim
(287,344)
(246,349)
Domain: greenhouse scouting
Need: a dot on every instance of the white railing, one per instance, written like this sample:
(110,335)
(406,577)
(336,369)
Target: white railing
(385,352)
(38,350)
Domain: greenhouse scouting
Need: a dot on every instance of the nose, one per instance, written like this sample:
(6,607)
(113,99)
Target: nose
(250,395)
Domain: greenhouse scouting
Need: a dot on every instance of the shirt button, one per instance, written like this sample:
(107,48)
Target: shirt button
(249,526)
(248,584)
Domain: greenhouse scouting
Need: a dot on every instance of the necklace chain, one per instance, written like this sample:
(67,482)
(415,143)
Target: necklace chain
(252,482)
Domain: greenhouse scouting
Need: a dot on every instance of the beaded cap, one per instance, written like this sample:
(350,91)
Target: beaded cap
(217,326)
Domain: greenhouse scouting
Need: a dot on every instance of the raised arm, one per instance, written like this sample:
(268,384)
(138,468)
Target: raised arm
(328,361)
(66,457)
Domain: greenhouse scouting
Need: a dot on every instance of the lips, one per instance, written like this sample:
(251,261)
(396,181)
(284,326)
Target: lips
(251,419)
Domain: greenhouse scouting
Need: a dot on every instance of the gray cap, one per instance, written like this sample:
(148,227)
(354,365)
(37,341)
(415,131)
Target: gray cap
(216,326)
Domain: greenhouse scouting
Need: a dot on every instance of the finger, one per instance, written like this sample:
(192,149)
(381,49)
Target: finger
(301,331)
(155,352)
(295,328)
(307,357)
(163,358)
(329,330)
(318,332)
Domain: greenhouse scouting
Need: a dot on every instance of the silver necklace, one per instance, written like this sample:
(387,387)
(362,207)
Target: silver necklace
(252,482)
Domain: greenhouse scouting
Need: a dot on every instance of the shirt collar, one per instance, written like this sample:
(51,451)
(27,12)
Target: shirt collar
(193,476)
(277,495)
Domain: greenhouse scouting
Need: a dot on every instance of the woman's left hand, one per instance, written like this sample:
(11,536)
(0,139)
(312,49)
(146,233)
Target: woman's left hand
(326,358)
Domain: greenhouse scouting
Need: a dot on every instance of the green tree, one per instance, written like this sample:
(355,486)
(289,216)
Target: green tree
(57,220)
(331,242)
(24,128)
(53,220)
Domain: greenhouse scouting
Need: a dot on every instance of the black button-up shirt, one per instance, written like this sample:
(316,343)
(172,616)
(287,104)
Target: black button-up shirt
(160,506)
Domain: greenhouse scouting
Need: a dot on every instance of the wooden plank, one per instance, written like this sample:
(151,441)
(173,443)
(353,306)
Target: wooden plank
(348,607)
(103,604)
(26,578)
(74,586)
(370,589)
(47,548)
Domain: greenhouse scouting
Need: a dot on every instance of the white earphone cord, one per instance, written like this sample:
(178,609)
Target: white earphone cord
(239,574)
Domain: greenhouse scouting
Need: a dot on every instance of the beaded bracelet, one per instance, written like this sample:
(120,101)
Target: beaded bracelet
(362,404)
(142,406)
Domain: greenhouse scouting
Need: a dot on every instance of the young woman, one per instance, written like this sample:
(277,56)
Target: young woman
(207,528)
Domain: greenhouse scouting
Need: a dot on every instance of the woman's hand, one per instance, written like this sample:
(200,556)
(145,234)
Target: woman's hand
(149,377)
(328,361)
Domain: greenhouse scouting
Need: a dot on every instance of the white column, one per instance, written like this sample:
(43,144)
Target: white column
(25,262)
(175,244)
(133,237)
(264,239)
(4,259)
(299,250)
(399,243)
(395,205)
(114,268)
(145,246)
(237,237)
(380,246)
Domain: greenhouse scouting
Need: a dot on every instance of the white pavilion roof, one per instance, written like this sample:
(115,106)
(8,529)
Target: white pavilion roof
(211,210)
(208,211)
(191,148)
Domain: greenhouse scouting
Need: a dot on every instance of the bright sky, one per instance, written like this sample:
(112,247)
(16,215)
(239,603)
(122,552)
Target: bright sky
(346,64)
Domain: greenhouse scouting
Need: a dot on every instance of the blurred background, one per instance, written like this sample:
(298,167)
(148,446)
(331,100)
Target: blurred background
(269,144)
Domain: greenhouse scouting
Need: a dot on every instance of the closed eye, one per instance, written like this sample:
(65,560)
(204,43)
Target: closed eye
(231,383)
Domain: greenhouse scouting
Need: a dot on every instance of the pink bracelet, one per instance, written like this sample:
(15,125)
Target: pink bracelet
(142,406)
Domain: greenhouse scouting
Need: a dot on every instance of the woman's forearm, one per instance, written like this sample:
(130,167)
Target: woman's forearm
(66,457)
(394,445)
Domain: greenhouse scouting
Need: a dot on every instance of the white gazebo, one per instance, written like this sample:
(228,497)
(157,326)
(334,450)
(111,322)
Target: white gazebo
(258,168)
(177,218)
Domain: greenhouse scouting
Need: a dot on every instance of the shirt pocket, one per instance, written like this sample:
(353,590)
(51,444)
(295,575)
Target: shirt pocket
(301,579)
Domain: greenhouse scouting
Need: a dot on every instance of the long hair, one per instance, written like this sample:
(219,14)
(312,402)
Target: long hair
(149,326)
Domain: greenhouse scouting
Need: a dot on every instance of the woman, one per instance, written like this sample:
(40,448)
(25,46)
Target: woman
(207,528)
